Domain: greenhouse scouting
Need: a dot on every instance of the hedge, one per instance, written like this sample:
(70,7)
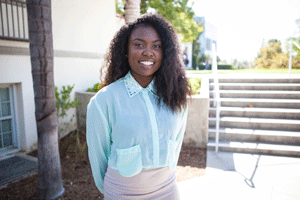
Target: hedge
(220,66)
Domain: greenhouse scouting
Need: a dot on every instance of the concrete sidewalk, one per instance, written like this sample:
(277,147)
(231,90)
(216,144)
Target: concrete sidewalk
(238,176)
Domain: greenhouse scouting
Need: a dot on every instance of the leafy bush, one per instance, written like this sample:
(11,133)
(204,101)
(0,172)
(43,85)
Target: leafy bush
(96,87)
(195,84)
(63,100)
(63,104)
(220,66)
(278,61)
(272,57)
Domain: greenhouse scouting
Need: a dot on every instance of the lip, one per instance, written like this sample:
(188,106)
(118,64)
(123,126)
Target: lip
(146,61)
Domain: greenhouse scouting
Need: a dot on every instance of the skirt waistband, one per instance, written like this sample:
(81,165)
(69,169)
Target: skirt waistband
(148,179)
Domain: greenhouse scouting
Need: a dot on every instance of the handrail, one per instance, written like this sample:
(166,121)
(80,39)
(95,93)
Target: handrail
(217,103)
(290,59)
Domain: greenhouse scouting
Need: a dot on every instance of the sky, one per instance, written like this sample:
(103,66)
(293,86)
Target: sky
(242,25)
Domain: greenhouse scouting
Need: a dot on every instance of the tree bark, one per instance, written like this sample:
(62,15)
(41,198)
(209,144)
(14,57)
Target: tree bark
(132,10)
(41,52)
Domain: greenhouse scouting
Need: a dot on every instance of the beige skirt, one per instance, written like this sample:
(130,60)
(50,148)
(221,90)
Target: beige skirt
(152,183)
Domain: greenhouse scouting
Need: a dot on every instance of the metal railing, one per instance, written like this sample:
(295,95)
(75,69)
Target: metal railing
(217,102)
(13,19)
(291,51)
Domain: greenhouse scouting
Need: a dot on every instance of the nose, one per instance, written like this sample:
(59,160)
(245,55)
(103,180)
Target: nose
(148,52)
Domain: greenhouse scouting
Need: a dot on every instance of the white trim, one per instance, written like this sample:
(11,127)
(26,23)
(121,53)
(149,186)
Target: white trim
(9,150)
(16,121)
(23,51)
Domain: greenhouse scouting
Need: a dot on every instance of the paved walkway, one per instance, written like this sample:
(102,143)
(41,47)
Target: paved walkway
(238,176)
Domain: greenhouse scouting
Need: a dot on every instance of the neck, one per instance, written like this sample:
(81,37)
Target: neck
(144,81)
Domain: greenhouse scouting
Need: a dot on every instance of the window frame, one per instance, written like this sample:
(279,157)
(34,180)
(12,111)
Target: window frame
(16,142)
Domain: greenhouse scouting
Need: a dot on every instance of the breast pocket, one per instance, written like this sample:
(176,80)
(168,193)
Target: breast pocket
(172,157)
(129,161)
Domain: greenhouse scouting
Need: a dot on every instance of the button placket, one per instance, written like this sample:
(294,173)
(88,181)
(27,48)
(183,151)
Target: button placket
(154,128)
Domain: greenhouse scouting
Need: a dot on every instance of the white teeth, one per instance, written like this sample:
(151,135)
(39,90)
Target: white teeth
(147,63)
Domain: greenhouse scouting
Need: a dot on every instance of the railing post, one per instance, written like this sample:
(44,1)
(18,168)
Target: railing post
(291,52)
(214,66)
(216,93)
(217,125)
(290,60)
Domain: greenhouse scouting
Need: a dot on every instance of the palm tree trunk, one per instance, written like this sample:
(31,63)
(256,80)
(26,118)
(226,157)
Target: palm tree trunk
(132,10)
(41,53)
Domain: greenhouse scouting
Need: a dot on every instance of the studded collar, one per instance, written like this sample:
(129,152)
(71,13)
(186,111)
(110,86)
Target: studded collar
(133,87)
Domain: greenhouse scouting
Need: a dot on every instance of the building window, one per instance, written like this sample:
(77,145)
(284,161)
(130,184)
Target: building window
(208,44)
(7,130)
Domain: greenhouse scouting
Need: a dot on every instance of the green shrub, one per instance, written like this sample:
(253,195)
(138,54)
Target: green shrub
(63,101)
(220,66)
(63,104)
(96,87)
(195,84)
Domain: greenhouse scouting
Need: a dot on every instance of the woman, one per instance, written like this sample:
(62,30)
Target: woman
(136,123)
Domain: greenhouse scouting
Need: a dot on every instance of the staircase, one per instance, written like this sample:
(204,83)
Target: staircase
(257,115)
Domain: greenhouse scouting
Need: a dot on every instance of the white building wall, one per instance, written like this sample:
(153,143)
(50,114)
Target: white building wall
(81,39)
(82,31)
(211,33)
(83,26)
(15,70)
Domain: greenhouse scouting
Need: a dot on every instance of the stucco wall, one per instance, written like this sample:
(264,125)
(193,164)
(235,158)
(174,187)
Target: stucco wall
(80,40)
(82,31)
(15,70)
(196,134)
(83,26)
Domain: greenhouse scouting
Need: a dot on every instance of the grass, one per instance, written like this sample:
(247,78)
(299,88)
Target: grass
(248,71)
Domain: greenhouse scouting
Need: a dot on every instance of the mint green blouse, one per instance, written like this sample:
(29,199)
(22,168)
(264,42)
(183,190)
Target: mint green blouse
(127,130)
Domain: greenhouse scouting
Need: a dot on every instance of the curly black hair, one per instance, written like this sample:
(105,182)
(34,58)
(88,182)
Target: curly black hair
(170,79)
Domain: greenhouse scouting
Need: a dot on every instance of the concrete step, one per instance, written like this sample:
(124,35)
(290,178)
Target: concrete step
(256,148)
(272,94)
(274,113)
(257,86)
(256,135)
(256,123)
(262,79)
(260,102)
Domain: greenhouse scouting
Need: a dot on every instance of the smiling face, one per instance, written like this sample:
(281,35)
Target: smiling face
(144,54)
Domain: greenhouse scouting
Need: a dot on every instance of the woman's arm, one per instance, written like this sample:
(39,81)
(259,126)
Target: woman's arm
(98,141)
(180,135)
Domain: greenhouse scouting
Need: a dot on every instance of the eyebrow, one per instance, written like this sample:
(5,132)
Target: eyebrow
(144,40)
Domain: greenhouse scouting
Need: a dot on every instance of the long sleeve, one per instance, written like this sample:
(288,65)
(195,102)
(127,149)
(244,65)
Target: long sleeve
(181,132)
(98,134)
